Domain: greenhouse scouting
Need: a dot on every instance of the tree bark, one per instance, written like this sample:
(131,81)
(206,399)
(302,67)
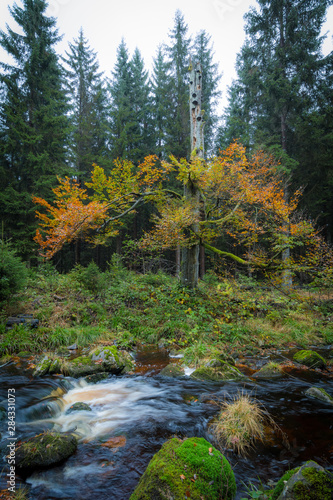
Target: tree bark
(190,255)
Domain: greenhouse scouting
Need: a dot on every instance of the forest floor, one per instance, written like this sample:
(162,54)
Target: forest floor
(87,306)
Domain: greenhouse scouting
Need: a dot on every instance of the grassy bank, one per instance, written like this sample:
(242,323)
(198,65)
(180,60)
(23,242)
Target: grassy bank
(88,306)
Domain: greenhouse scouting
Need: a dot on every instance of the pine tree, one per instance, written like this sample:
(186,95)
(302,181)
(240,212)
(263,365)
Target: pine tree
(89,107)
(33,115)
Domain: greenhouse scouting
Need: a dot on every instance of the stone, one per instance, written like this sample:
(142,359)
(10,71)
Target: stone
(310,358)
(172,370)
(44,450)
(78,406)
(269,370)
(217,373)
(308,482)
(319,393)
(190,468)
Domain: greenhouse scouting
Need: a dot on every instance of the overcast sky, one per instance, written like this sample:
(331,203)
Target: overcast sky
(146,23)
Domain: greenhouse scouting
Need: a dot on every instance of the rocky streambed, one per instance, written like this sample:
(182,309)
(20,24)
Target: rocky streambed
(122,413)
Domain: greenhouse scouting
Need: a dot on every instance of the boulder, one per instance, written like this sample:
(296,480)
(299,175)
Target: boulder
(103,359)
(319,393)
(217,371)
(78,406)
(172,370)
(308,482)
(44,450)
(47,365)
(189,468)
(270,370)
(310,358)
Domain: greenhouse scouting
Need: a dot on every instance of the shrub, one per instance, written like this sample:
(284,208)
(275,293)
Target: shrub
(13,272)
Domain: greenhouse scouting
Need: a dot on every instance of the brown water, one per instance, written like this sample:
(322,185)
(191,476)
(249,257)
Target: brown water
(132,416)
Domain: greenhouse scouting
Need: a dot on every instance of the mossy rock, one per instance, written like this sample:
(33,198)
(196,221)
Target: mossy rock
(219,373)
(310,358)
(309,482)
(319,393)
(103,359)
(44,450)
(172,370)
(112,360)
(49,364)
(79,406)
(227,358)
(187,469)
(24,354)
(270,370)
(96,377)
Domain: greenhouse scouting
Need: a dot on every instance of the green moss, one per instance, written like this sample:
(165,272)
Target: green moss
(310,358)
(82,360)
(187,469)
(281,483)
(311,483)
(44,450)
(172,370)
(224,372)
(320,485)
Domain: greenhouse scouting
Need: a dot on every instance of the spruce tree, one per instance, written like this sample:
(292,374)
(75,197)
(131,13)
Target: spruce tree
(33,116)
(89,107)
(178,57)
(162,103)
(121,112)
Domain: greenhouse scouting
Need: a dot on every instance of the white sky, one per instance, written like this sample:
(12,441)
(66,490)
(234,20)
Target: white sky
(146,23)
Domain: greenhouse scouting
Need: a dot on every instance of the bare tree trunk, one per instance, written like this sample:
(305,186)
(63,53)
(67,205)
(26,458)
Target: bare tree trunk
(190,256)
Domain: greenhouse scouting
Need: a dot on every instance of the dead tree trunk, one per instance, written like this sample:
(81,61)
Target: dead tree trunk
(190,255)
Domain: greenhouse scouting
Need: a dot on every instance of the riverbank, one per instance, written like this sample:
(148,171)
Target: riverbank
(87,306)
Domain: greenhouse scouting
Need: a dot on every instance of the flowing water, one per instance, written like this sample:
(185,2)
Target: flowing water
(131,417)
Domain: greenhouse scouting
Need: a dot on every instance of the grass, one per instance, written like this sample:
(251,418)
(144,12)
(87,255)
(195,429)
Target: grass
(87,306)
(240,423)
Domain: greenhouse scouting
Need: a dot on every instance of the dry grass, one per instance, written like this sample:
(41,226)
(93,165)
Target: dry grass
(240,423)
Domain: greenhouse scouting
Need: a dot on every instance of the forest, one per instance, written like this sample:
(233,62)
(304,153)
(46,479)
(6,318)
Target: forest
(149,239)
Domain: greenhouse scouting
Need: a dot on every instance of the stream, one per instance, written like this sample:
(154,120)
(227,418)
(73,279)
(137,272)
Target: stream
(132,416)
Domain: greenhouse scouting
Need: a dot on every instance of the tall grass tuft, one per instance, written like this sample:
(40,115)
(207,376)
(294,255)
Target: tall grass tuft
(240,423)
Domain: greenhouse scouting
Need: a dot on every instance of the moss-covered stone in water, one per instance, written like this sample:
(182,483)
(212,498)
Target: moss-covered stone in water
(308,482)
(172,370)
(78,406)
(187,469)
(281,483)
(310,358)
(44,450)
(319,393)
(223,372)
(270,370)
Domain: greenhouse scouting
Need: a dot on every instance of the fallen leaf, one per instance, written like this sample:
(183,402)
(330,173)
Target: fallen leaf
(115,442)
(182,477)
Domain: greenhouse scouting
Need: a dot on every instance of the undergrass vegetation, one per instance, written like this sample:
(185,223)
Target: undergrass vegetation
(240,424)
(88,306)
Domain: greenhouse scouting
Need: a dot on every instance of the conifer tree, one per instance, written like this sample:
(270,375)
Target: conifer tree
(33,115)
(89,107)
(178,57)
(162,103)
